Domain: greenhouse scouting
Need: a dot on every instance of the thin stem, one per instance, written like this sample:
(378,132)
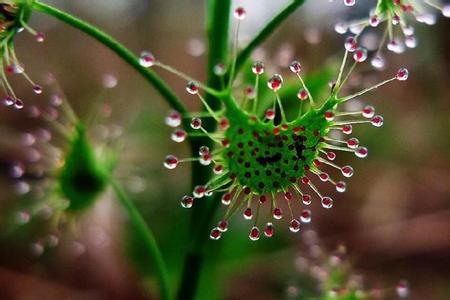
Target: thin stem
(218,23)
(148,239)
(118,48)
(265,33)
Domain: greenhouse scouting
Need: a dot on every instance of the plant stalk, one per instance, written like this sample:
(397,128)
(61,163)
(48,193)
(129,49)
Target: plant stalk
(141,227)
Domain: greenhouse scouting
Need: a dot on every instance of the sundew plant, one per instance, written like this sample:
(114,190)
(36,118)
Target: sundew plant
(273,144)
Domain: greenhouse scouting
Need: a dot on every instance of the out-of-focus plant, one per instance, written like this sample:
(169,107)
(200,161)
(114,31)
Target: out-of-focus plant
(258,152)
(324,275)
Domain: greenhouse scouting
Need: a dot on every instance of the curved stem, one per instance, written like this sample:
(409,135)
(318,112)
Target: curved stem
(118,48)
(149,241)
(265,33)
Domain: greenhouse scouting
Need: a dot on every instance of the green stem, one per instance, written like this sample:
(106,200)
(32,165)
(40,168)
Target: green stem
(218,22)
(148,241)
(118,48)
(265,33)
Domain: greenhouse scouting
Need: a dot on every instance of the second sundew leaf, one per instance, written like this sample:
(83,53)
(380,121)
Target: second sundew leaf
(83,176)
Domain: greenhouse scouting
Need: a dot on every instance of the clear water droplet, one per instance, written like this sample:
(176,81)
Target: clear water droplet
(254,234)
(173,119)
(178,136)
(258,67)
(294,225)
(40,37)
(378,62)
(146,59)
(341,186)
(347,171)
(377,121)
(402,74)
(215,234)
(295,67)
(305,216)
(269,230)
(275,82)
(187,201)
(240,13)
(361,152)
(192,87)
(196,123)
(171,162)
(327,202)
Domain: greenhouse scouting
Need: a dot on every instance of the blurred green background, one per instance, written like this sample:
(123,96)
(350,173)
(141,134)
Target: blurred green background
(394,218)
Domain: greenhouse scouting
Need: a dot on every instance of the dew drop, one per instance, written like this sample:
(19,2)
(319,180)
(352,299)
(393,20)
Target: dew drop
(215,234)
(352,143)
(288,196)
(341,186)
(203,150)
(192,87)
(294,225)
(368,111)
(402,74)
(377,62)
(324,176)
(277,213)
(329,115)
(377,121)
(173,119)
(360,54)
(171,162)
(327,202)
(218,169)
(146,59)
(374,21)
(395,20)
(250,92)
(17,170)
(395,46)
(23,217)
(224,123)
(222,226)
(347,171)
(187,201)
(302,95)
(402,289)
(349,2)
(219,69)
(52,241)
(205,159)
(196,123)
(258,67)
(295,67)
(331,155)
(18,104)
(21,187)
(275,82)
(8,101)
(40,37)
(446,11)
(306,199)
(305,216)
(240,13)
(226,199)
(36,249)
(254,234)
(248,214)
(411,41)
(361,152)
(270,114)
(347,129)
(178,136)
(268,230)
(199,191)
(350,44)
(341,27)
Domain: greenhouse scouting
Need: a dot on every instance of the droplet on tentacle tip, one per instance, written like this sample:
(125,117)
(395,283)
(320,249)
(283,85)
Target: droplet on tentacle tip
(327,202)
(187,201)
(258,67)
(294,225)
(146,59)
(171,162)
(192,87)
(254,234)
(275,82)
(240,13)
(173,119)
